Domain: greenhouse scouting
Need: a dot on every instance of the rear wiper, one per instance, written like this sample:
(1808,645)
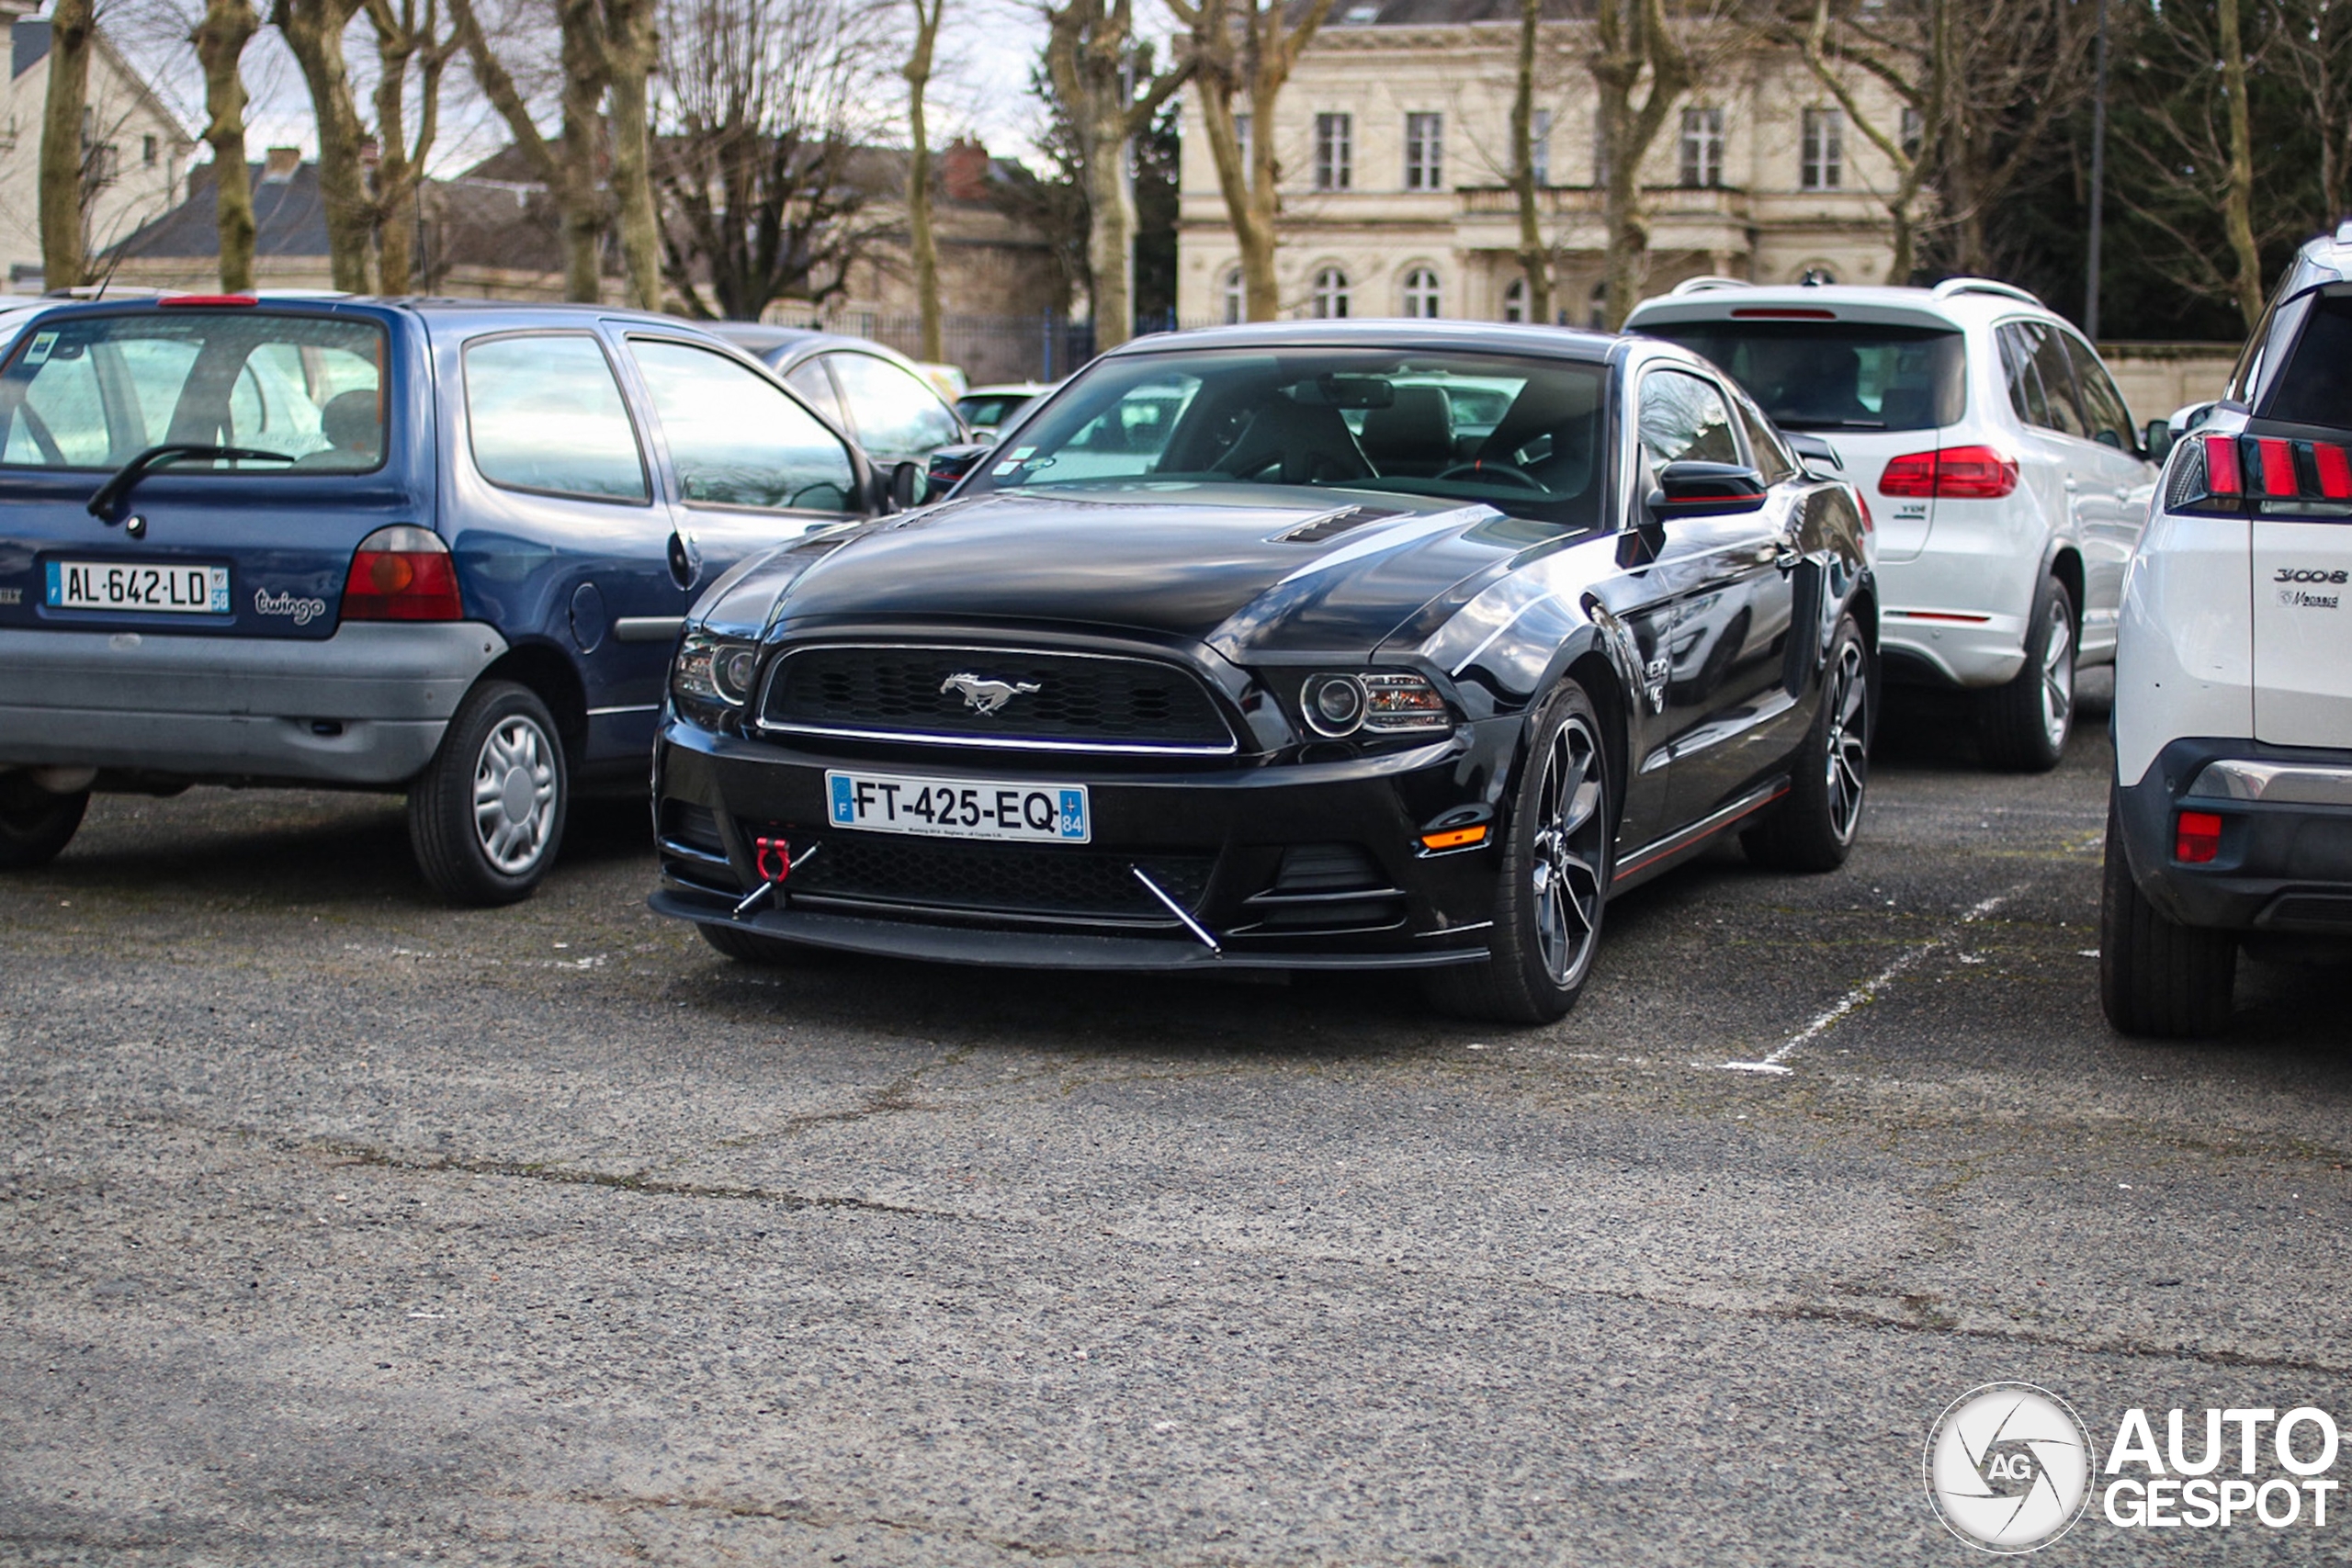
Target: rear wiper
(119,483)
(1831,423)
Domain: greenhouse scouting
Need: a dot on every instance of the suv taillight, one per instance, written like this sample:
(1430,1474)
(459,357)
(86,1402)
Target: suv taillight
(1952,473)
(401,574)
(2279,469)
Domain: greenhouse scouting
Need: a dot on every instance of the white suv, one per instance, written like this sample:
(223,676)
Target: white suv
(2007,481)
(2232,816)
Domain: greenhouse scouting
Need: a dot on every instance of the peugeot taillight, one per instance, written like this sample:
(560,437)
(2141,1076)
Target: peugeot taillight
(2221,476)
(401,574)
(2275,471)
(2197,837)
(1950,473)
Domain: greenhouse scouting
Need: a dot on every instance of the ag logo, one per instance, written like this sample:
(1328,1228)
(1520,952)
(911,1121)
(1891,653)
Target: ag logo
(2009,1467)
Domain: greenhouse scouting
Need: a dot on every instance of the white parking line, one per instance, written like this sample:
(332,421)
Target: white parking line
(1868,990)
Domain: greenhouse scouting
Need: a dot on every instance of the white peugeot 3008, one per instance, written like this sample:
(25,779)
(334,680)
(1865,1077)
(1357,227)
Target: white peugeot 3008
(2232,814)
(2001,463)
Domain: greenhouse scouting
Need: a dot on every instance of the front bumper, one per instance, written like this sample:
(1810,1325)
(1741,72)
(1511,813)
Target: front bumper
(1290,865)
(364,707)
(2285,862)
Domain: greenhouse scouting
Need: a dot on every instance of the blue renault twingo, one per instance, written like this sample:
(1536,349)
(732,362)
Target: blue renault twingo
(434,546)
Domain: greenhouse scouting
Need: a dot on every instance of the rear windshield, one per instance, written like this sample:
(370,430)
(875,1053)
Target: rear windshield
(2315,388)
(94,392)
(1523,435)
(1836,374)
(989,408)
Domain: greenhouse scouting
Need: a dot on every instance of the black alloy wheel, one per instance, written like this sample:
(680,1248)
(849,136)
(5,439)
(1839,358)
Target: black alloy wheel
(1812,827)
(486,816)
(1552,887)
(2157,978)
(36,825)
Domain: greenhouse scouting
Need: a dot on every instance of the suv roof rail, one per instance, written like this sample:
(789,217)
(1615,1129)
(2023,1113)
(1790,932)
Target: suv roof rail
(1707,284)
(1951,286)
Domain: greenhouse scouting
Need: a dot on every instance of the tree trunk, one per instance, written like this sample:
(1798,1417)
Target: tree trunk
(631,55)
(1110,235)
(221,39)
(569,168)
(65,231)
(2238,194)
(1633,37)
(921,242)
(1534,256)
(313,31)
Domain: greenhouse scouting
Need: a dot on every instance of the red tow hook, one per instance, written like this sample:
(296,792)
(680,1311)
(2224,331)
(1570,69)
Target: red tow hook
(773,859)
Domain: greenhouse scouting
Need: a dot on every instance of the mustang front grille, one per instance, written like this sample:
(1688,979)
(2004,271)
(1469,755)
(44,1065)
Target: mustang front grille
(988,697)
(1046,880)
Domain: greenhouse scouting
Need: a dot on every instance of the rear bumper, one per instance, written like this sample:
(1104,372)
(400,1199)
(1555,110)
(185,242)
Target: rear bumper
(1219,836)
(364,707)
(2285,862)
(1955,614)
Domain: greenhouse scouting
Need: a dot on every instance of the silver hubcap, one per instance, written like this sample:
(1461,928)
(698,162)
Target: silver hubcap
(515,794)
(2058,677)
(1565,873)
(1848,760)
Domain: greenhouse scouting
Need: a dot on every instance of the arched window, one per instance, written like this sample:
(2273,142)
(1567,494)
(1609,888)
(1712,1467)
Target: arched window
(1515,301)
(1423,299)
(1329,300)
(1232,296)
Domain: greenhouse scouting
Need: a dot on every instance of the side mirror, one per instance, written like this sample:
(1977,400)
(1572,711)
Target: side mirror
(1819,458)
(2159,440)
(1693,488)
(950,464)
(2188,418)
(895,487)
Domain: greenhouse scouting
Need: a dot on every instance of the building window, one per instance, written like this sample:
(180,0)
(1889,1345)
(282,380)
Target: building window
(1597,312)
(1334,152)
(1242,138)
(1822,161)
(1515,301)
(1424,300)
(1915,132)
(1329,300)
(148,151)
(1539,149)
(1424,151)
(1703,149)
(1232,296)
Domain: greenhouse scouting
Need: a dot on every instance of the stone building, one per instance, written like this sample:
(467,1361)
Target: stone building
(1392,138)
(135,153)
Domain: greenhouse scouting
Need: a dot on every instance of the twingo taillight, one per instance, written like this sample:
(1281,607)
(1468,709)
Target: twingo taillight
(1952,473)
(401,574)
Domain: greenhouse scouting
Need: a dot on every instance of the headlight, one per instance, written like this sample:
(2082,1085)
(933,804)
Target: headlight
(715,668)
(1383,701)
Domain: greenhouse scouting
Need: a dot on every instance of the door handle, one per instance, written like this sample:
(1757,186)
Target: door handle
(2122,493)
(1788,558)
(2071,484)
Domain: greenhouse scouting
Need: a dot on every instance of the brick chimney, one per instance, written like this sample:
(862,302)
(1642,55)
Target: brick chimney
(964,170)
(279,166)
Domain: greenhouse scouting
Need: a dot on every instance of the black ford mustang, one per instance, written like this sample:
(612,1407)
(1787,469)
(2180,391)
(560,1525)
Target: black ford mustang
(1328,645)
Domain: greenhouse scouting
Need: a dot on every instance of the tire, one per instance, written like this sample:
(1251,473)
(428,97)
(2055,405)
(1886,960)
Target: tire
(36,825)
(1814,826)
(2023,728)
(486,816)
(2157,980)
(1554,884)
(750,947)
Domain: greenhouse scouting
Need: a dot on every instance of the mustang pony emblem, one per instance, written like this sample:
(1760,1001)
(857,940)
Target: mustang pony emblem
(984,697)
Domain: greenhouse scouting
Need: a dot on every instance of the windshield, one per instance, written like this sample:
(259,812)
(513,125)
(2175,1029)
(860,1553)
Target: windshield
(1836,374)
(94,392)
(1523,435)
(990,408)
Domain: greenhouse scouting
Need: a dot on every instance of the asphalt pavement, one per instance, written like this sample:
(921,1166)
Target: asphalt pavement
(337,1226)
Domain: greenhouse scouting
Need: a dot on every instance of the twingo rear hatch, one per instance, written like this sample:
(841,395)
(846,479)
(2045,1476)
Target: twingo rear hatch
(204,465)
(1877,382)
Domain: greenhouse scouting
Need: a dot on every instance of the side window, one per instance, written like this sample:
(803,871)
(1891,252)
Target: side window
(810,379)
(1773,459)
(736,438)
(1682,416)
(2103,406)
(2057,381)
(895,412)
(2025,383)
(62,422)
(546,414)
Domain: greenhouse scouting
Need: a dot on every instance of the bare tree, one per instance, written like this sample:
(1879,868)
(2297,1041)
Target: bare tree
(1534,253)
(1633,43)
(404,36)
(221,38)
(919,241)
(568,167)
(2314,53)
(1104,85)
(759,166)
(1911,57)
(1246,49)
(64,241)
(626,40)
(313,31)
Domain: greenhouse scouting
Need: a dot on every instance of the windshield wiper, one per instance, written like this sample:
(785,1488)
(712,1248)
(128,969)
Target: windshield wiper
(119,483)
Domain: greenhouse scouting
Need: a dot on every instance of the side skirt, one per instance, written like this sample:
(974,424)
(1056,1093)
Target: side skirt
(1662,856)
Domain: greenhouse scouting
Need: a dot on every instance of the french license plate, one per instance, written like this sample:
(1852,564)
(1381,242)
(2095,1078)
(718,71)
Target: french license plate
(138,585)
(959,808)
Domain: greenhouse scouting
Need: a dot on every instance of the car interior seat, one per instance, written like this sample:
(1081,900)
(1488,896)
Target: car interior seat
(1414,435)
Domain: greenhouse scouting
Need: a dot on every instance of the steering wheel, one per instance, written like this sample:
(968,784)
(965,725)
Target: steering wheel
(1481,470)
